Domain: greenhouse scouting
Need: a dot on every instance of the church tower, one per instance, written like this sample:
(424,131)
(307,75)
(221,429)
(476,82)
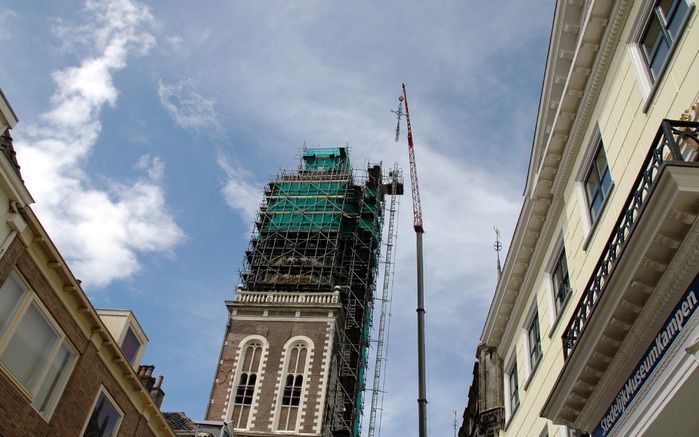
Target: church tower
(294,353)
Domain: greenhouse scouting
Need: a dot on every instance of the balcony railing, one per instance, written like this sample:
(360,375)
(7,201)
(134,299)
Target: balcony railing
(672,136)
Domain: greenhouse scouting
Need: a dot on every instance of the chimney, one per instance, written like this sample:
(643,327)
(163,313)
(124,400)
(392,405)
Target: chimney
(157,392)
(153,386)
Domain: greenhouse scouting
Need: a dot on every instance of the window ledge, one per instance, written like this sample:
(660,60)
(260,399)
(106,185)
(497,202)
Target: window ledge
(533,371)
(512,416)
(586,243)
(560,314)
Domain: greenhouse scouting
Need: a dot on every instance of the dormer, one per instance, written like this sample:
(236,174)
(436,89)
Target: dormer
(127,332)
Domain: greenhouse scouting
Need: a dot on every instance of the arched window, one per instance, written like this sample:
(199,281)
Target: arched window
(297,355)
(249,366)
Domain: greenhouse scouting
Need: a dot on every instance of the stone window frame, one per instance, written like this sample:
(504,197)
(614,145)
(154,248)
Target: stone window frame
(103,391)
(648,11)
(47,392)
(278,405)
(235,381)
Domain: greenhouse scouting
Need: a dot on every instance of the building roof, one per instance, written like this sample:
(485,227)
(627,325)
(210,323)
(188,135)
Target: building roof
(178,421)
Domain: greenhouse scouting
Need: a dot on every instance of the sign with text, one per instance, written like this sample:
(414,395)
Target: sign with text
(670,330)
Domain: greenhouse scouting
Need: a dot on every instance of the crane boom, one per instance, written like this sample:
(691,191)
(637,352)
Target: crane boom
(417,207)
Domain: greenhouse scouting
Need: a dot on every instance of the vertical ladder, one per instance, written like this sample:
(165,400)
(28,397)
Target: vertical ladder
(385,302)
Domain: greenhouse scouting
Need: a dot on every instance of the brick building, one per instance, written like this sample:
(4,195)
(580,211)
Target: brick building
(295,348)
(61,371)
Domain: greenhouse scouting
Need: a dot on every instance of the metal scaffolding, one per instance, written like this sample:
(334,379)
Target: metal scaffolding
(319,228)
(395,178)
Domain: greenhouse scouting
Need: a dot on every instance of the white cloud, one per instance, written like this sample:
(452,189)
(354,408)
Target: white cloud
(189,109)
(329,74)
(6,18)
(152,165)
(240,193)
(100,231)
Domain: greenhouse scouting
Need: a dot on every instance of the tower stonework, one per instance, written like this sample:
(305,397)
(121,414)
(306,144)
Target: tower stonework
(294,353)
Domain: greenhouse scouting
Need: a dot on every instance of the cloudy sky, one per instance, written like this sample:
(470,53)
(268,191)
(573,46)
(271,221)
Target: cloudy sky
(148,129)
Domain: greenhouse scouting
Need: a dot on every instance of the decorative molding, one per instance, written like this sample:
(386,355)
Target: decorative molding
(323,382)
(275,297)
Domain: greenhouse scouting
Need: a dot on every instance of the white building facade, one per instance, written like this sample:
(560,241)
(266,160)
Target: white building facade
(593,324)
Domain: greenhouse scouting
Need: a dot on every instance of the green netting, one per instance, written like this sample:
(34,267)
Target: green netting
(309,204)
(306,187)
(303,222)
(326,159)
(370,191)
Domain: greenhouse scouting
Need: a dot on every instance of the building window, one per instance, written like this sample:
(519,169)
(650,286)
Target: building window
(249,368)
(561,282)
(660,32)
(597,183)
(295,368)
(130,345)
(246,387)
(534,338)
(105,418)
(513,384)
(34,351)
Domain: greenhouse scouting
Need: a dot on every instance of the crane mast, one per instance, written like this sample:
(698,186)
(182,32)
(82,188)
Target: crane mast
(419,230)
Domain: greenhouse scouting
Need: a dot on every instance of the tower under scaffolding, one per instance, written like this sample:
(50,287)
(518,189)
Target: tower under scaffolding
(395,178)
(315,247)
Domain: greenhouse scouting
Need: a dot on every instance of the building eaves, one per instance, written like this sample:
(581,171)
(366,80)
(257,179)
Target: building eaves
(7,112)
(52,265)
(561,44)
(599,34)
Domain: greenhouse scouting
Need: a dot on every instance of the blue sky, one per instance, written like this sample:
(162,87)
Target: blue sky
(148,129)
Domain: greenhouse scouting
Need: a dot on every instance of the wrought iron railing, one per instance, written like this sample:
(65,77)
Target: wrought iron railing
(666,147)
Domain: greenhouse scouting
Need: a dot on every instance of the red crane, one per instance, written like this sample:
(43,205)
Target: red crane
(419,230)
(417,207)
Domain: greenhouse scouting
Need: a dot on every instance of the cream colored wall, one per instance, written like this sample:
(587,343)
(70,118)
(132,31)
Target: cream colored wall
(116,324)
(627,134)
(4,208)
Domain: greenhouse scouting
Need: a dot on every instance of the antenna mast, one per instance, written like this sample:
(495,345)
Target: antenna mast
(456,425)
(498,247)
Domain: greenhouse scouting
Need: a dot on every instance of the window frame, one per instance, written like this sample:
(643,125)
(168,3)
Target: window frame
(537,352)
(510,408)
(589,223)
(27,299)
(599,191)
(136,357)
(648,12)
(556,310)
(564,283)
(232,406)
(303,371)
(114,404)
